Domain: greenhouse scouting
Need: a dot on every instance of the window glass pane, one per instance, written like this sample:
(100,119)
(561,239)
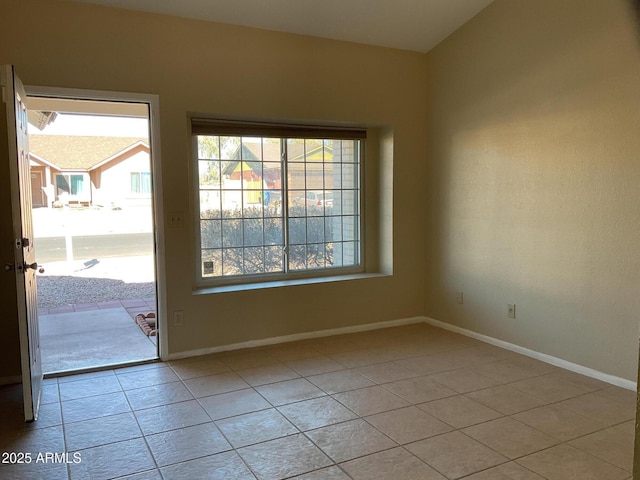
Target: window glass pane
(297,230)
(230,148)
(231,203)
(146,182)
(76,184)
(273,234)
(315,230)
(135,182)
(297,203)
(332,229)
(349,151)
(253,260)
(349,228)
(295,150)
(296,176)
(314,176)
(253,233)
(232,261)
(349,176)
(297,257)
(211,263)
(208,147)
(336,150)
(271,150)
(232,233)
(336,256)
(210,204)
(209,173)
(313,150)
(210,233)
(273,259)
(62,184)
(349,254)
(350,202)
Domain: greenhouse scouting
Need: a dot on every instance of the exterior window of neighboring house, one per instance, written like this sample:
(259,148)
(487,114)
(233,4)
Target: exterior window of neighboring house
(141,182)
(70,184)
(276,201)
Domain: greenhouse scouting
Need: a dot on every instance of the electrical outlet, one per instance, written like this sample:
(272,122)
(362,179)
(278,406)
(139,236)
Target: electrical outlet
(176,220)
(459,298)
(511,310)
(178,318)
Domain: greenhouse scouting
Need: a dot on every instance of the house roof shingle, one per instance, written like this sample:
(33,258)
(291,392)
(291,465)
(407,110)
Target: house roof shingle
(78,152)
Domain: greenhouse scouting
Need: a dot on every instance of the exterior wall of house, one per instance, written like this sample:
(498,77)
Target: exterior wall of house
(533,185)
(225,70)
(112,184)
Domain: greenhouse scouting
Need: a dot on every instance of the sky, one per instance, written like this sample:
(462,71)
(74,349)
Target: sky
(93,125)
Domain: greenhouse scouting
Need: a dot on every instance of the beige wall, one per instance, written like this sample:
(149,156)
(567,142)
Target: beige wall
(534,198)
(203,67)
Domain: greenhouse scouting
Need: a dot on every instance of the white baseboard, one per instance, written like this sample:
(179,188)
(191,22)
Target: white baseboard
(11,380)
(558,362)
(296,336)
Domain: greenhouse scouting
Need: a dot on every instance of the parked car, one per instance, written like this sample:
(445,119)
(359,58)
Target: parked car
(315,198)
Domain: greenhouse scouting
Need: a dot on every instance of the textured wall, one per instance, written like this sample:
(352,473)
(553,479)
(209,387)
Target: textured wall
(534,165)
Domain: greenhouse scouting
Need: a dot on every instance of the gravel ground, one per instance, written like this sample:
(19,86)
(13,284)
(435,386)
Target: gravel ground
(54,291)
(77,282)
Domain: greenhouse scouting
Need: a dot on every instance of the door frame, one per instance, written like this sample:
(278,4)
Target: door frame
(153,101)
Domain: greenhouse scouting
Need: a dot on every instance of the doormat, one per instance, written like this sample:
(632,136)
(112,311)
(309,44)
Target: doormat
(147,323)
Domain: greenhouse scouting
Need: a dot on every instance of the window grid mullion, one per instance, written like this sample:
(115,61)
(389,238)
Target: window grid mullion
(284,185)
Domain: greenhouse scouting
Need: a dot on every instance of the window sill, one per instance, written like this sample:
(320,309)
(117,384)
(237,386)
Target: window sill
(285,283)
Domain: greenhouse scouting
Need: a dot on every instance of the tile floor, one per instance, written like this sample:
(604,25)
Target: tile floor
(412,402)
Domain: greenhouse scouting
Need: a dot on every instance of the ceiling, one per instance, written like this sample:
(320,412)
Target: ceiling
(417,25)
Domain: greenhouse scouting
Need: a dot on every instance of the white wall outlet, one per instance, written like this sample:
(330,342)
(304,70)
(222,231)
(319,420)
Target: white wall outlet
(176,220)
(511,310)
(460,298)
(178,318)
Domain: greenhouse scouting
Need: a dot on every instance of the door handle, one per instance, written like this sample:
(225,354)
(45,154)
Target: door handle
(33,266)
(8,267)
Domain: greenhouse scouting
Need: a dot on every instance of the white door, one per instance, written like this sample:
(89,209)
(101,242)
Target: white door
(13,96)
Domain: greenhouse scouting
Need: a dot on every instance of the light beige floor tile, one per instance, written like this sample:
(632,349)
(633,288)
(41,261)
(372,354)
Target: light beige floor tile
(191,368)
(214,384)
(243,359)
(359,358)
(536,367)
(169,417)
(510,437)
(314,365)
(50,393)
(408,425)
(316,413)
(285,352)
(255,427)
(94,407)
(564,462)
(419,390)
(610,445)
(505,399)
(549,388)
(341,381)
(558,422)
(34,471)
(113,460)
(289,391)
(455,455)
(582,381)
(222,466)
(349,440)
(83,376)
(435,363)
(507,471)
(157,395)
(504,371)
(233,403)
(49,415)
(459,411)
(147,378)
(329,473)
(622,395)
(601,409)
(186,444)
(396,463)
(89,387)
(148,475)
(627,427)
(385,372)
(463,381)
(276,372)
(370,400)
(100,431)
(284,457)
(34,441)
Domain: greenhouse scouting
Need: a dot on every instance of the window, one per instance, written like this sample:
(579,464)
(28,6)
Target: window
(69,184)
(141,182)
(277,206)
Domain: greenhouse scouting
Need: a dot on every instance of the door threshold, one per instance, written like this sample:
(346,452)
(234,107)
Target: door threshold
(101,368)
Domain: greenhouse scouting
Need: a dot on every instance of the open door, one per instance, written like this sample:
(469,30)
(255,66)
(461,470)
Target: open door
(13,97)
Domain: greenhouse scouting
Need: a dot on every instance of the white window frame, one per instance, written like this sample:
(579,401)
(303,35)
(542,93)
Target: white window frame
(214,127)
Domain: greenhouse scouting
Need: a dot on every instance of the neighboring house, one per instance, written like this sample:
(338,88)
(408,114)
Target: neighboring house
(105,171)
